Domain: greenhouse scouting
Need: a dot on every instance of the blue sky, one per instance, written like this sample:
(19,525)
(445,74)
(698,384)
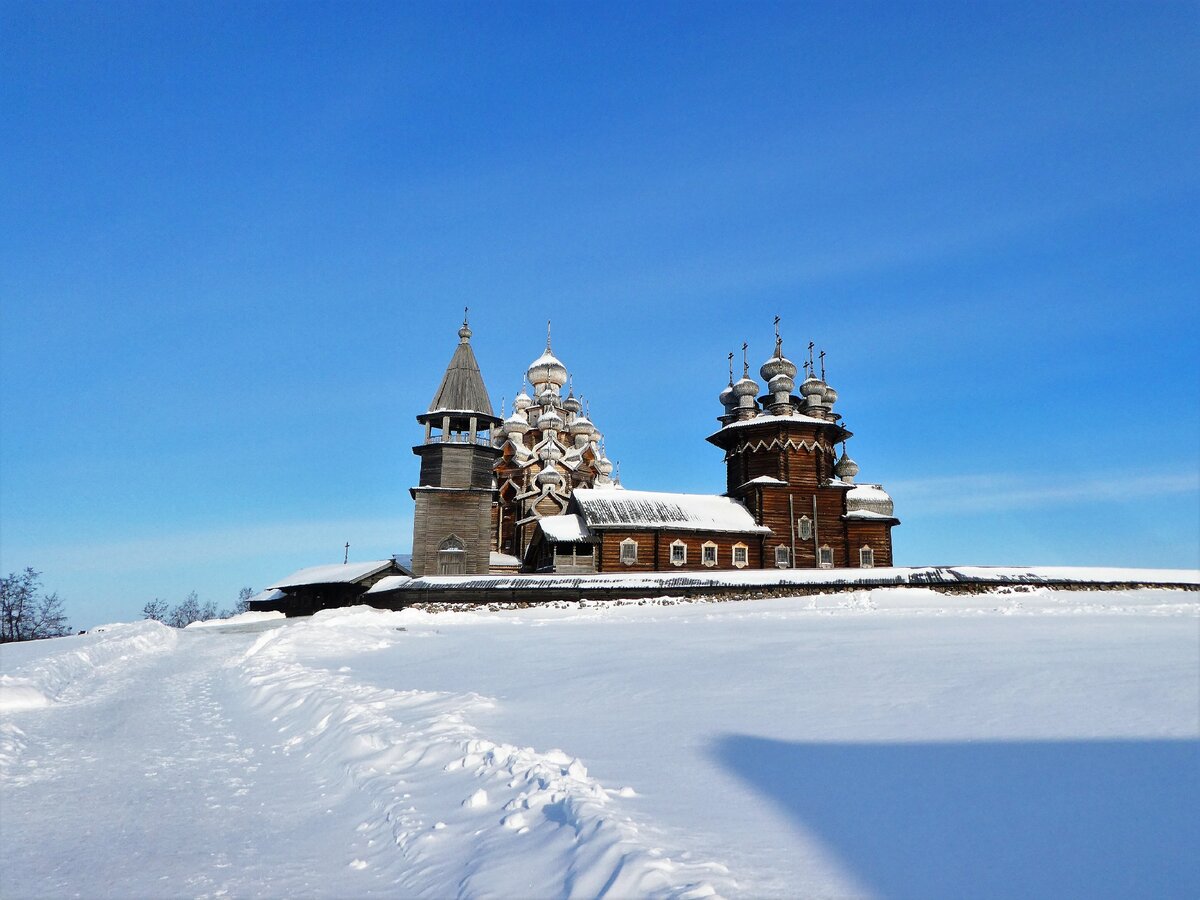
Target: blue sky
(238,239)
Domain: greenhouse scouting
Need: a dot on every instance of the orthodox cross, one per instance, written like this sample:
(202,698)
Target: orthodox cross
(731,367)
(547,335)
(745,363)
(346,558)
(810,358)
(778,339)
(466,309)
(822,355)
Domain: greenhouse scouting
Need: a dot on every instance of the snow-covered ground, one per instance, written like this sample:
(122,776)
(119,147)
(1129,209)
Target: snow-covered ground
(891,742)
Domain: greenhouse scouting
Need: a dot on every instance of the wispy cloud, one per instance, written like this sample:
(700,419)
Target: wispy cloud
(999,492)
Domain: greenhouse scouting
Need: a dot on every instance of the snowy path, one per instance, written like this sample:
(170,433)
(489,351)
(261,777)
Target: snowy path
(222,767)
(169,786)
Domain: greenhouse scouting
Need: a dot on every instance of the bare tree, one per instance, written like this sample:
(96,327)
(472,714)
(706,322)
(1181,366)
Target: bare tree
(26,612)
(157,610)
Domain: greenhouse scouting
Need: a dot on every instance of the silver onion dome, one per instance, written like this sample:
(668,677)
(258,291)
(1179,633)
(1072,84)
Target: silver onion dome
(522,401)
(516,424)
(582,425)
(727,398)
(547,369)
(782,383)
(813,386)
(745,387)
(777,365)
(550,420)
(846,468)
(549,476)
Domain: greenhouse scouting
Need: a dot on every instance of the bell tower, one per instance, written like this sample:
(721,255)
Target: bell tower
(452,523)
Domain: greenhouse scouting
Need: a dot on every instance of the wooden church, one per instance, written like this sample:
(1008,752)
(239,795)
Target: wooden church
(534,492)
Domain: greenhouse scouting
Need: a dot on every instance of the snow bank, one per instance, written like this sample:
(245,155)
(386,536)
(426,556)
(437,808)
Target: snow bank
(61,670)
(495,818)
(246,618)
(71,660)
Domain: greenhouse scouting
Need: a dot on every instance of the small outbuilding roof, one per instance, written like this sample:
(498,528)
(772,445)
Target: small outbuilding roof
(565,529)
(343,573)
(650,509)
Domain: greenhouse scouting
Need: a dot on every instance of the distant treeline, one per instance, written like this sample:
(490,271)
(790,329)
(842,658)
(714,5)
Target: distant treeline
(190,610)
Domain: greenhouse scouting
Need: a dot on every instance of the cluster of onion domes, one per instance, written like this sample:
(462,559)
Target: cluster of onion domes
(553,431)
(741,399)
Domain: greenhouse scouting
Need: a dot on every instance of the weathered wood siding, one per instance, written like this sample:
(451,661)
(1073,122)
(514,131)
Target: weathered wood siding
(654,550)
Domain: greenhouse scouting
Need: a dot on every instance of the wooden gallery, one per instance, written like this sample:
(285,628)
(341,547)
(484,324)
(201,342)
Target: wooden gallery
(534,491)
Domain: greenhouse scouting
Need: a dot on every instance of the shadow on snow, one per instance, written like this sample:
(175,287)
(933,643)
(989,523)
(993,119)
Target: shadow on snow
(992,819)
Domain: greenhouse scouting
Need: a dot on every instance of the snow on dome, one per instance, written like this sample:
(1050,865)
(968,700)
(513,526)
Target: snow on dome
(830,395)
(547,369)
(522,401)
(571,404)
(813,386)
(777,365)
(745,387)
(549,476)
(516,423)
(783,383)
(727,398)
(550,420)
(582,425)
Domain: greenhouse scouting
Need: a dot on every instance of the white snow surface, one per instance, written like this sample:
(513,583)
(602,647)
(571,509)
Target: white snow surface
(890,742)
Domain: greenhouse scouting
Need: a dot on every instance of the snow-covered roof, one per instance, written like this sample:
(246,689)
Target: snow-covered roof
(765,418)
(869,493)
(650,509)
(565,529)
(339,573)
(764,479)
(868,514)
(388,583)
(268,596)
(503,559)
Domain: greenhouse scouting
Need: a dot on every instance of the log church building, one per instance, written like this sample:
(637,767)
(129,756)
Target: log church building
(534,491)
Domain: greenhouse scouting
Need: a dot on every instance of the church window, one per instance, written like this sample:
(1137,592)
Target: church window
(741,556)
(782,557)
(804,528)
(628,552)
(825,557)
(452,554)
(708,554)
(866,557)
(678,553)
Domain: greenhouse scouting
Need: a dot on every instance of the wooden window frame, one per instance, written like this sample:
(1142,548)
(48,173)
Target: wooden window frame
(866,557)
(628,542)
(825,551)
(716,553)
(745,555)
(783,557)
(804,528)
(682,546)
